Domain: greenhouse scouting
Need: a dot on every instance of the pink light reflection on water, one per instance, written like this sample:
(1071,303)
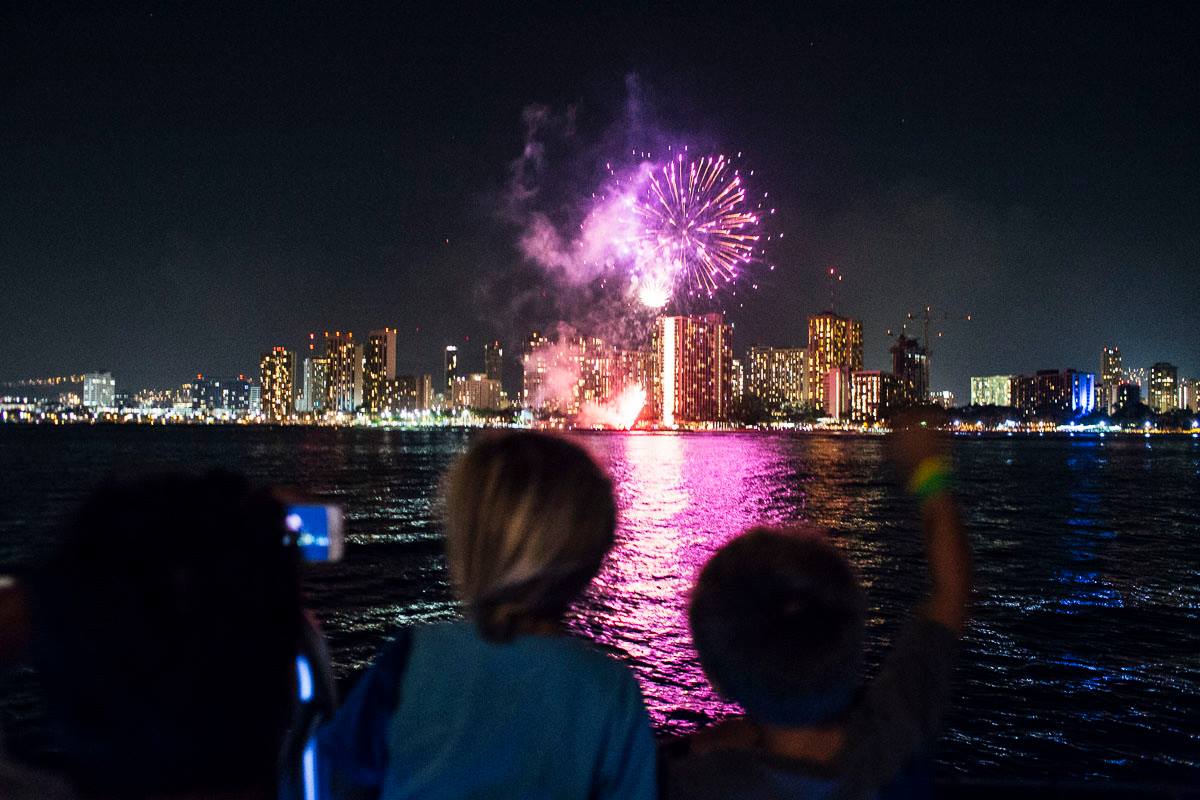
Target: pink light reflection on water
(681,497)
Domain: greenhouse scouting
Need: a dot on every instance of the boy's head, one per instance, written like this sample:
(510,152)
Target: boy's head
(777,617)
(529,518)
(165,635)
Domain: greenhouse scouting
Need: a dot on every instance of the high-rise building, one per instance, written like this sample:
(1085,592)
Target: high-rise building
(233,393)
(1128,395)
(778,376)
(1055,392)
(277,375)
(451,368)
(424,392)
(873,395)
(992,390)
(565,376)
(493,361)
(312,397)
(1111,376)
(477,391)
(837,399)
(693,358)
(343,373)
(99,390)
(737,381)
(221,394)
(379,372)
(1164,387)
(256,406)
(833,342)
(1188,389)
(910,363)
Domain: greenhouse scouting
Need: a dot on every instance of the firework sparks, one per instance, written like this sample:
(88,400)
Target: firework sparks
(679,229)
(696,231)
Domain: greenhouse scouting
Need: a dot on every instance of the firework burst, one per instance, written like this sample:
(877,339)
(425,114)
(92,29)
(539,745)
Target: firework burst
(695,231)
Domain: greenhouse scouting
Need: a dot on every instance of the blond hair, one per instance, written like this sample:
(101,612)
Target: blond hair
(529,518)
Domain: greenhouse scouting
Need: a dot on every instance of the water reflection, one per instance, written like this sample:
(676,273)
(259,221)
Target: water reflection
(681,498)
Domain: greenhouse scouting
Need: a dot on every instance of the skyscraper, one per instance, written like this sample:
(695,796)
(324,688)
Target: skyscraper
(1164,387)
(314,386)
(833,342)
(451,369)
(344,373)
(277,372)
(910,364)
(778,376)
(693,357)
(379,372)
(493,360)
(1111,376)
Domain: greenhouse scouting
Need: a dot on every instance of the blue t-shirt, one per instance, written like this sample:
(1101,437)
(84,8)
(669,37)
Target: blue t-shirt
(444,713)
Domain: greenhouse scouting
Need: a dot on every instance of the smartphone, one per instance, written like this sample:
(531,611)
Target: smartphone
(316,530)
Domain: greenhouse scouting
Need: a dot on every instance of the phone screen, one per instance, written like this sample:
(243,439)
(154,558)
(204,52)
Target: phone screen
(316,530)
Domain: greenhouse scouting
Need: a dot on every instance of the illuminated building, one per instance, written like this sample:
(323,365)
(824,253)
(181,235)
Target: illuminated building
(403,393)
(477,391)
(379,372)
(693,358)
(343,373)
(493,361)
(313,387)
(873,395)
(737,381)
(535,366)
(944,398)
(1188,388)
(992,390)
(277,373)
(99,390)
(778,376)
(256,406)
(1128,395)
(451,368)
(220,394)
(425,392)
(833,342)
(233,393)
(910,363)
(1111,376)
(837,398)
(1054,392)
(1164,387)
(564,376)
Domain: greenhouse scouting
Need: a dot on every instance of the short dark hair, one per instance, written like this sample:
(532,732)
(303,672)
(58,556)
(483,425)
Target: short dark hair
(777,617)
(166,630)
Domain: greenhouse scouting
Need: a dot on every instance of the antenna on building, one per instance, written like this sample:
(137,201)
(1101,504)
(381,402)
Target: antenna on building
(835,278)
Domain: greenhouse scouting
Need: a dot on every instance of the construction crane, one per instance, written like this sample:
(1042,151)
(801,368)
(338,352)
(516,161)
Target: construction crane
(927,318)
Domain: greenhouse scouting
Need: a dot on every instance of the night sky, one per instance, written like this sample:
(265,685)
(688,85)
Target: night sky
(182,188)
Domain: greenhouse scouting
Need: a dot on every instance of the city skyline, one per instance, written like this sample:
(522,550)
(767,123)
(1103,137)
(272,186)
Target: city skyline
(685,373)
(1027,167)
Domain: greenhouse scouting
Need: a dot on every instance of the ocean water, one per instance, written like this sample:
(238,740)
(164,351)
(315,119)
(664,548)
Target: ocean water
(1082,661)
